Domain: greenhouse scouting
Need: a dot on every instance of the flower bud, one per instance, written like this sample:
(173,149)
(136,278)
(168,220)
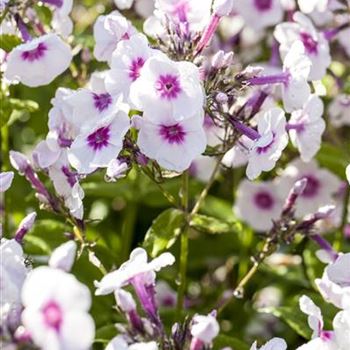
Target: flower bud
(6,180)
(116,169)
(222,7)
(63,257)
(217,60)
(19,161)
(25,225)
(204,329)
(125,300)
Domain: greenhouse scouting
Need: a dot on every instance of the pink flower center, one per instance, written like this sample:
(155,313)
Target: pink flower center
(311,46)
(102,101)
(52,315)
(135,67)
(168,86)
(263,5)
(263,200)
(312,187)
(99,139)
(172,133)
(326,336)
(264,149)
(34,54)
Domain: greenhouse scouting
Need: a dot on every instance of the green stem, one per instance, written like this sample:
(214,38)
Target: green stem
(184,246)
(128,229)
(5,166)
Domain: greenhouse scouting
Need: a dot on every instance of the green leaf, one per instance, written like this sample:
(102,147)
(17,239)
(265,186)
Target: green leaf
(212,225)
(293,317)
(222,341)
(105,333)
(9,41)
(164,231)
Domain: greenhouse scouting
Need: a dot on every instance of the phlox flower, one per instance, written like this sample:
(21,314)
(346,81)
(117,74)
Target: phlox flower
(306,127)
(6,178)
(13,271)
(273,344)
(56,308)
(269,12)
(108,31)
(165,85)
(126,64)
(320,188)
(338,339)
(136,266)
(119,343)
(203,330)
(266,149)
(173,144)
(335,282)
(63,256)
(97,145)
(38,61)
(339,111)
(202,168)
(61,23)
(258,204)
(315,44)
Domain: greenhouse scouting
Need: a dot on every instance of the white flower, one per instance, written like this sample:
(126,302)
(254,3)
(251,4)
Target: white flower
(202,168)
(126,64)
(269,13)
(319,190)
(339,339)
(267,149)
(6,178)
(237,156)
(205,328)
(164,84)
(273,344)
(339,110)
(136,265)
(335,282)
(96,146)
(192,13)
(108,31)
(315,44)
(309,6)
(258,204)
(296,90)
(222,7)
(39,61)
(123,4)
(306,127)
(119,343)
(116,169)
(89,107)
(348,173)
(63,256)
(173,144)
(13,271)
(56,306)
(61,22)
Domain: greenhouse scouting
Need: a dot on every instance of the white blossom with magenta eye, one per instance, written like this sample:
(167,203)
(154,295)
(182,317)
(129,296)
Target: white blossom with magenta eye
(320,188)
(306,127)
(38,61)
(95,147)
(271,140)
(172,143)
(258,204)
(273,344)
(269,12)
(166,86)
(108,31)
(57,317)
(315,44)
(335,282)
(126,64)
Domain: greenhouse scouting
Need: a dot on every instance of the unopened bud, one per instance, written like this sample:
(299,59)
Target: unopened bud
(6,180)
(25,225)
(293,195)
(63,256)
(125,300)
(221,97)
(19,161)
(217,60)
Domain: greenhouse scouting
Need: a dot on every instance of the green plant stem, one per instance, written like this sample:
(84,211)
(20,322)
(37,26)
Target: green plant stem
(206,189)
(184,246)
(128,230)
(5,166)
